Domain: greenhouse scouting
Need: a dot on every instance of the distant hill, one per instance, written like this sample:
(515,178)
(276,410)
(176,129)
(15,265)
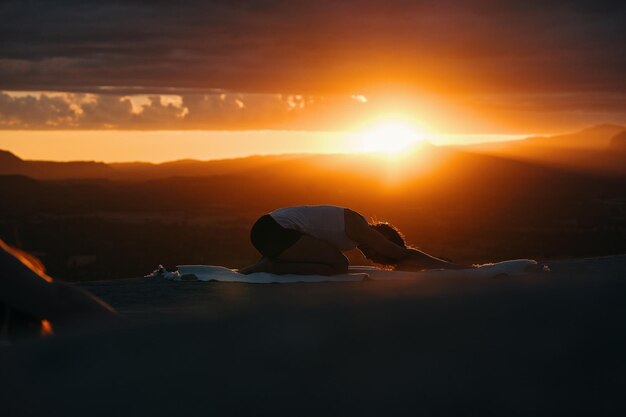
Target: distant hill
(593,138)
(195,168)
(7,159)
(597,149)
(10,164)
(427,176)
(465,206)
(618,143)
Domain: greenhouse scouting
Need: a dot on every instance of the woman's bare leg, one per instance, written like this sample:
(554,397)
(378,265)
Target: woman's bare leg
(311,256)
(308,256)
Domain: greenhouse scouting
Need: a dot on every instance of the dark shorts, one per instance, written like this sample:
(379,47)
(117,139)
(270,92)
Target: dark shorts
(270,238)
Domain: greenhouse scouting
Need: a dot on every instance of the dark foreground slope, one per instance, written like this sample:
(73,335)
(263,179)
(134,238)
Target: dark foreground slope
(543,345)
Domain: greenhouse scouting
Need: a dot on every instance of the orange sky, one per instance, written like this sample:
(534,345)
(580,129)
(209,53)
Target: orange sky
(161,146)
(155,128)
(92,83)
(111,127)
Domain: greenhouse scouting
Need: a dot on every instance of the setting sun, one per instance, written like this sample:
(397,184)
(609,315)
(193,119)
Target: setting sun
(390,137)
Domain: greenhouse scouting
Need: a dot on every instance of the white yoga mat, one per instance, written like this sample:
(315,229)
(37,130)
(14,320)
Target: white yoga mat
(516,267)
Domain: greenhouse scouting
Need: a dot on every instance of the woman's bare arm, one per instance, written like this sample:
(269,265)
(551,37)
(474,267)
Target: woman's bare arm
(418,260)
(407,259)
(360,232)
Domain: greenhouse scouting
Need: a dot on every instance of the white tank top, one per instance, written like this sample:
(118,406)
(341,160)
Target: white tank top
(322,222)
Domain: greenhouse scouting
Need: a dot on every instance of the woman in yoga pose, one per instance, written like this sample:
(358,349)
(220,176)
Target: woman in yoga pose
(310,239)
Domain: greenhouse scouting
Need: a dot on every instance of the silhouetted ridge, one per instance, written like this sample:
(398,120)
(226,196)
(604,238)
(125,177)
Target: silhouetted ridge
(7,157)
(605,128)
(595,137)
(10,164)
(599,149)
(584,150)
(618,142)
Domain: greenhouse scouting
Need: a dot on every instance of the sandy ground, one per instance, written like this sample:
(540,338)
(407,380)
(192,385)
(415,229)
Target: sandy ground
(545,344)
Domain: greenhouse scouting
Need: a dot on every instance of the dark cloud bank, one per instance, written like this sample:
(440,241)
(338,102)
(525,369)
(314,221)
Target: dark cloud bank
(459,48)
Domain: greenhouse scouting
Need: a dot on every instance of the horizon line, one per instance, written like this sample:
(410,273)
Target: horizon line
(203,145)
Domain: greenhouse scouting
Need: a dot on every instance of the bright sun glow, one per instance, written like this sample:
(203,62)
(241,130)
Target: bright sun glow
(389,137)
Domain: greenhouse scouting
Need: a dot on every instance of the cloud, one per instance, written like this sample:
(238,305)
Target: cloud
(45,111)
(215,111)
(281,63)
(480,113)
(317,47)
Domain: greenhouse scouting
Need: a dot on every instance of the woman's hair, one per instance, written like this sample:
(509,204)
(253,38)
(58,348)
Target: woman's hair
(392,234)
